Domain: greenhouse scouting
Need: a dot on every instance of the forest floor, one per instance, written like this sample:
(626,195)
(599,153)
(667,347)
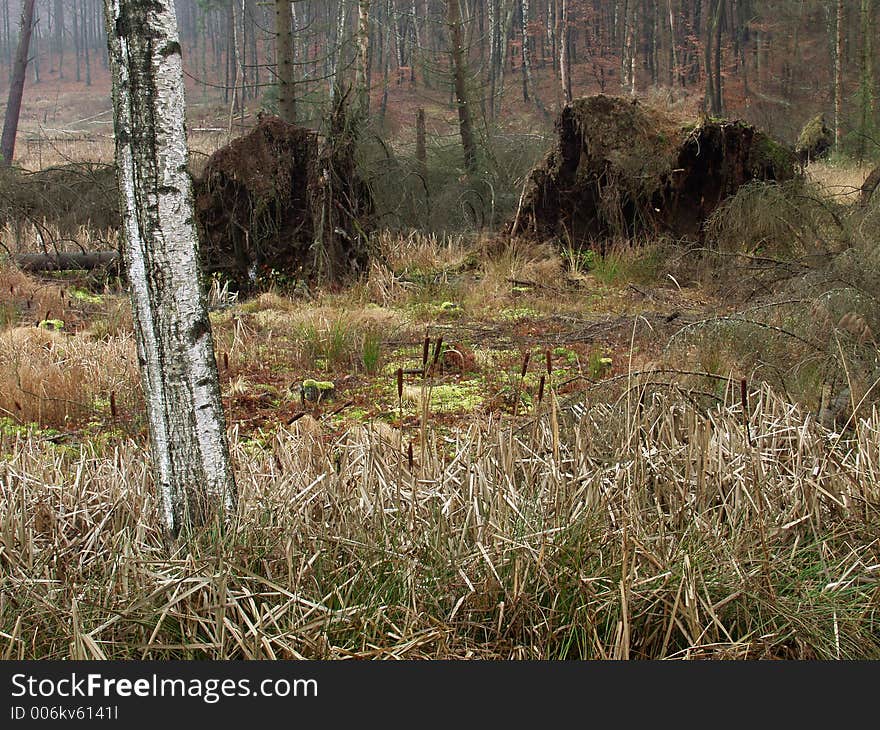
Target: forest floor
(488,310)
(486,448)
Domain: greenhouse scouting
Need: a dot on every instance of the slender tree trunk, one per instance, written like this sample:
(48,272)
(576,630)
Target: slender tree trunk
(7,33)
(866,90)
(673,43)
(493,12)
(506,31)
(458,68)
(620,35)
(336,78)
(526,52)
(236,102)
(77,42)
(59,36)
(35,46)
(85,43)
(363,66)
(717,102)
(630,56)
(713,60)
(189,449)
(386,62)
(284,60)
(229,82)
(838,74)
(254,46)
(421,146)
(564,69)
(16,85)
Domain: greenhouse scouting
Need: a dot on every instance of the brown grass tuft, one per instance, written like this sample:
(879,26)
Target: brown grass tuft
(603,532)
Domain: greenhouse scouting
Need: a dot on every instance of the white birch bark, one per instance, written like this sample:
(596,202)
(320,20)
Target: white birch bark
(526,52)
(175,348)
(363,67)
(336,78)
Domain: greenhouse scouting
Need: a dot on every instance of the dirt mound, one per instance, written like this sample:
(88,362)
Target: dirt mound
(620,167)
(279,198)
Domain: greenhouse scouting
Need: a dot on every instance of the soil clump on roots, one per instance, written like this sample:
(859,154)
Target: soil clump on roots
(620,168)
(281,199)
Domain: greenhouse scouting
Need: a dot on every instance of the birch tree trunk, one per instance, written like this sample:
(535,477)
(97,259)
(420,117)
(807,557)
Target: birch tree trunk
(284,60)
(175,347)
(336,76)
(526,52)
(363,66)
(629,56)
(16,85)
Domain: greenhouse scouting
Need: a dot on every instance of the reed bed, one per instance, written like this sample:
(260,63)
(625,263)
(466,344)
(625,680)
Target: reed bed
(654,530)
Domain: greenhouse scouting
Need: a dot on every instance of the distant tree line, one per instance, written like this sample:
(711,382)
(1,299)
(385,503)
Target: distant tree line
(755,59)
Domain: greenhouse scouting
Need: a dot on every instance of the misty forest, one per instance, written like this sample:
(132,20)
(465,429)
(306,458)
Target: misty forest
(440,329)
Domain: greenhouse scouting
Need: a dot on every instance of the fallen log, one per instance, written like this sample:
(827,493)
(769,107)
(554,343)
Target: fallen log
(66,261)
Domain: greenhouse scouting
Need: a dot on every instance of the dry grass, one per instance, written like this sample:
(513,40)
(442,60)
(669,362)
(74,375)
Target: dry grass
(839,180)
(41,149)
(609,532)
(650,526)
(41,236)
(54,373)
(55,380)
(316,336)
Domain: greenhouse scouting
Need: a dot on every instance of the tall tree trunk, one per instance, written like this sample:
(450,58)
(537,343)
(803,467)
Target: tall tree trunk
(526,52)
(363,66)
(630,55)
(254,45)
(336,77)
(505,33)
(284,60)
(386,62)
(7,34)
(713,59)
(16,85)
(866,85)
(77,42)
(717,103)
(564,68)
(421,144)
(458,69)
(175,348)
(674,71)
(838,74)
(59,36)
(494,22)
(35,46)
(85,43)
